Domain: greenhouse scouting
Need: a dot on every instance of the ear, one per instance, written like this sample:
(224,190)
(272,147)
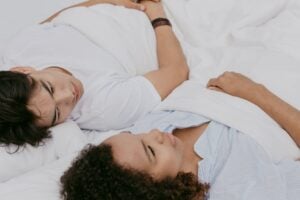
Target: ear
(24,70)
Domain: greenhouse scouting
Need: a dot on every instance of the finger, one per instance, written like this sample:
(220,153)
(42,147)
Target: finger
(147,0)
(136,6)
(212,82)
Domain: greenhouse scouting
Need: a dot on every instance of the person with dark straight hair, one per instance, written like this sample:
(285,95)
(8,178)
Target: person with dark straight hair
(17,121)
(56,74)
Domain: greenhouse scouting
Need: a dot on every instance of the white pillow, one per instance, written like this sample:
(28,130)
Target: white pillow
(67,138)
(40,184)
(44,182)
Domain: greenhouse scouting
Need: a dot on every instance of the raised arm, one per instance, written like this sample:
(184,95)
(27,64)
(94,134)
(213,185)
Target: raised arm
(125,3)
(238,85)
(173,69)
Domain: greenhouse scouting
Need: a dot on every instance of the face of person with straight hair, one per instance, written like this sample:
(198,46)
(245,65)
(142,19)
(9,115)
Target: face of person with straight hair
(156,153)
(55,95)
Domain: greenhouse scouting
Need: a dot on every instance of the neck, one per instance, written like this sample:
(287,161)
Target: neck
(189,136)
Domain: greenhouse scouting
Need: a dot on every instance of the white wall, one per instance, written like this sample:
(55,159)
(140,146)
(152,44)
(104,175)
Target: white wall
(17,14)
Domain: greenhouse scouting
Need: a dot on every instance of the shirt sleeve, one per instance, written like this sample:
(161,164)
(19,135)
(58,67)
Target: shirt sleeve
(120,104)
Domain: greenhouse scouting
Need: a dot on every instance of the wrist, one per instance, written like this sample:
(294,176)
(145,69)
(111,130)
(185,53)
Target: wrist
(255,93)
(155,13)
(153,17)
(160,22)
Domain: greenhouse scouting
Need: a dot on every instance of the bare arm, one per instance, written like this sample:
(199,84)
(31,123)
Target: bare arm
(238,85)
(126,3)
(173,69)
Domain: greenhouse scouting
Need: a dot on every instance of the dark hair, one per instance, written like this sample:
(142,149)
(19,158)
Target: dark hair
(95,175)
(17,122)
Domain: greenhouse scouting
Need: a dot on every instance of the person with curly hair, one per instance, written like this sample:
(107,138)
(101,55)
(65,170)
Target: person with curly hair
(180,155)
(96,175)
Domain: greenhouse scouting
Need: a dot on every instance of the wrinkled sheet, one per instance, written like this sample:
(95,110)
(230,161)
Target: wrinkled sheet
(259,38)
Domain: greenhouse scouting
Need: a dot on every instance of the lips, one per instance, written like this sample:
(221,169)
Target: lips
(172,139)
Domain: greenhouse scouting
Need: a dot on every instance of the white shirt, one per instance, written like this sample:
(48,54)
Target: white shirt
(112,98)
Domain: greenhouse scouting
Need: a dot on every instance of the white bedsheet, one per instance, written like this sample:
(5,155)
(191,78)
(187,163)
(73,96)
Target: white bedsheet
(257,37)
(244,36)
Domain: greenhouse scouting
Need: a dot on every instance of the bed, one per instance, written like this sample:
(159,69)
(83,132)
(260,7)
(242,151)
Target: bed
(259,38)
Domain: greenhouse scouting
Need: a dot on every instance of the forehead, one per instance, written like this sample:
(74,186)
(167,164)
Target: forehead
(128,150)
(49,75)
(40,74)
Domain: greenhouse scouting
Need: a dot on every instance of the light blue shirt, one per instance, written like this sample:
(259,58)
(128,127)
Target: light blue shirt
(235,166)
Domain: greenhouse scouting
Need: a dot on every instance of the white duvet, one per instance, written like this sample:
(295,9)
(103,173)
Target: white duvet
(259,38)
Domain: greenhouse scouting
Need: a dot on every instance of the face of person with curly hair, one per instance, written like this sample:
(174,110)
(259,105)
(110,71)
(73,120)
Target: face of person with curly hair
(157,153)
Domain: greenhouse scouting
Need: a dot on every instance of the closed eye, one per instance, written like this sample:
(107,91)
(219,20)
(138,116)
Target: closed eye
(151,150)
(51,88)
(47,87)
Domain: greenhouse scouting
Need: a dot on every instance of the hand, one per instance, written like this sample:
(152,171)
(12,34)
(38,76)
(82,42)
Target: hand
(234,84)
(126,3)
(153,9)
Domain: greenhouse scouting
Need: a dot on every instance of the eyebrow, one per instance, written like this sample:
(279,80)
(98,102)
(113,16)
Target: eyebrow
(45,86)
(146,152)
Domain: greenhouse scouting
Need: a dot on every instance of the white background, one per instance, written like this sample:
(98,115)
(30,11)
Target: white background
(17,14)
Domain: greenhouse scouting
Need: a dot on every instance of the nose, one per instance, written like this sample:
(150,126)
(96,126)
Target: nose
(157,135)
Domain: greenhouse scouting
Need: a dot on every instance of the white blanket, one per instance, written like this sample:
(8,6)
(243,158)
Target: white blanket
(259,38)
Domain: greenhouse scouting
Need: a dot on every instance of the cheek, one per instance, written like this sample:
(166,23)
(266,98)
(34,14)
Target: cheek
(64,83)
(176,159)
(62,79)
(170,163)
(65,113)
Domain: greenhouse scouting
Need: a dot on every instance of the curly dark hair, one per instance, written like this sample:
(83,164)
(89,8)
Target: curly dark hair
(94,175)
(17,122)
